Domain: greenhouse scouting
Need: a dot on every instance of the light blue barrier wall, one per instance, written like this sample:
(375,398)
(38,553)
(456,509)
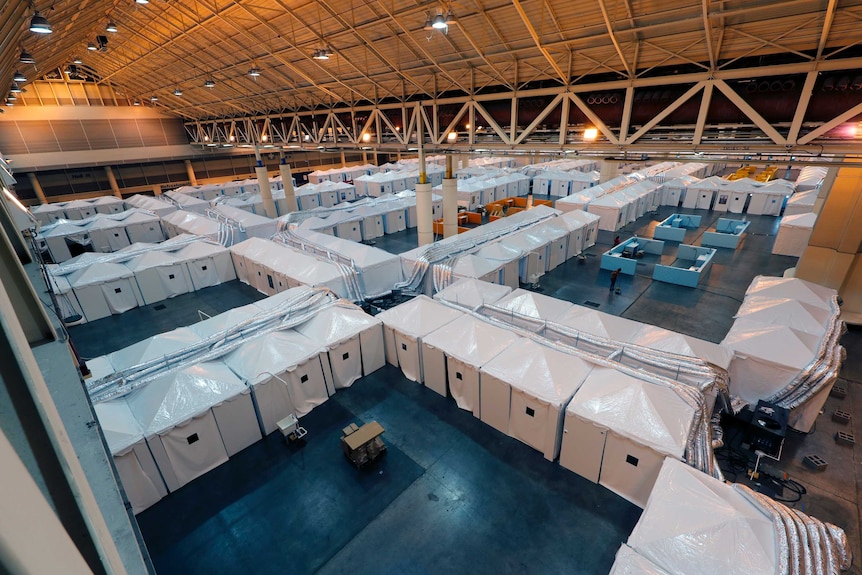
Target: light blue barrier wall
(727,233)
(673,228)
(691,264)
(614,258)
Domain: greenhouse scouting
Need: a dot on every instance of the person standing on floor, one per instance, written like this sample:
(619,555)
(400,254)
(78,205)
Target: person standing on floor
(614,275)
(616,241)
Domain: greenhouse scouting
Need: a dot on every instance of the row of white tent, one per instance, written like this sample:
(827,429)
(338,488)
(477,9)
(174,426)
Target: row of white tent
(369,218)
(190,420)
(394,181)
(810,178)
(481,190)
(594,416)
(784,329)
(793,235)
(564,165)
(156,204)
(529,244)
(694,524)
(308,197)
(209,192)
(224,224)
(617,202)
(77,209)
(345,174)
(140,274)
(99,233)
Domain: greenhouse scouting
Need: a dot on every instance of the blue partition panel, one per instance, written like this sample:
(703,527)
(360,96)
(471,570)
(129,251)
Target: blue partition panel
(673,228)
(623,255)
(691,264)
(726,235)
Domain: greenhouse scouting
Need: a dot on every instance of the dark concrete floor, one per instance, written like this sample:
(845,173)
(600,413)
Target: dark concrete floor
(453,495)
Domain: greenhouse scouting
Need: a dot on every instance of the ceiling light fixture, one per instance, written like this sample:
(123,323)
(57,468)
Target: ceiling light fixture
(154,98)
(15,89)
(209,84)
(439,22)
(11,97)
(254,72)
(26,57)
(178,93)
(77,60)
(142,1)
(91,47)
(19,77)
(111,27)
(39,24)
(590,134)
(136,102)
(71,70)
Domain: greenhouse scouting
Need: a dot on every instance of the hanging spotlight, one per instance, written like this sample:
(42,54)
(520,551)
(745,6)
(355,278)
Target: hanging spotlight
(439,22)
(77,60)
(136,102)
(26,57)
(39,24)
(71,70)
(178,93)
(450,17)
(328,51)
(254,72)
(11,97)
(111,27)
(320,54)
(91,47)
(209,84)
(15,89)
(19,77)
(429,22)
(142,1)
(154,98)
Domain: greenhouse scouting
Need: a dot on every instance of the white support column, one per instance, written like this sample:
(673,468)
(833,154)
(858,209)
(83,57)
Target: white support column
(157,189)
(265,189)
(191,173)
(287,180)
(113,182)
(450,201)
(37,187)
(424,217)
(343,160)
(608,171)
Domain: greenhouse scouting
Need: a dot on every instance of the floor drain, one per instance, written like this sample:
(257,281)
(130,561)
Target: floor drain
(592,304)
(160,307)
(844,438)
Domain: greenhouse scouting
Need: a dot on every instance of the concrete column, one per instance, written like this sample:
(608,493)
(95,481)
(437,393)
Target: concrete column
(424,217)
(833,257)
(287,179)
(265,191)
(37,187)
(343,160)
(113,181)
(608,171)
(191,172)
(364,157)
(450,201)
(157,189)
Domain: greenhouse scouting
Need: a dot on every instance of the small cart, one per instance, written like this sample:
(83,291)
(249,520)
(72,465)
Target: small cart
(362,445)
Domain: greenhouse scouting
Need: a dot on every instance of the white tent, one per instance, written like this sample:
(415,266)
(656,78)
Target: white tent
(103,289)
(474,267)
(613,211)
(661,339)
(160,275)
(286,372)
(194,419)
(143,227)
(794,288)
(453,354)
(157,205)
(188,202)
(810,178)
(799,315)
(628,562)
(794,232)
(138,472)
(66,299)
(584,228)
(243,260)
(255,226)
(720,532)
(604,325)
(533,262)
(209,263)
(522,303)
(619,429)
(766,357)
(673,190)
(108,235)
(525,393)
(769,199)
(108,204)
(353,341)
(801,203)
(471,293)
(223,321)
(505,256)
(701,194)
(79,209)
(404,327)
(62,236)
(48,213)
(378,270)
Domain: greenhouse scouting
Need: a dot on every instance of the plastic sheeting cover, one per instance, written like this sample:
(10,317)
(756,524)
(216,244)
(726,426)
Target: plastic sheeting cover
(471,293)
(793,288)
(278,352)
(720,533)
(646,413)
(182,395)
(120,427)
(419,316)
(337,324)
(532,304)
(628,562)
(471,340)
(795,314)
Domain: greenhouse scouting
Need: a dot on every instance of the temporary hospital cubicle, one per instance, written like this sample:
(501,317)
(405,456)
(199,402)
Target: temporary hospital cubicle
(194,419)
(209,263)
(690,266)
(353,341)
(673,227)
(727,233)
(471,266)
(508,259)
(255,226)
(613,209)
(142,482)
(79,209)
(794,232)
(286,372)
(103,289)
(65,239)
(619,428)
(521,305)
(405,326)
(701,195)
(48,213)
(584,229)
(524,393)
(160,275)
(471,293)
(769,199)
(801,203)
(453,355)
